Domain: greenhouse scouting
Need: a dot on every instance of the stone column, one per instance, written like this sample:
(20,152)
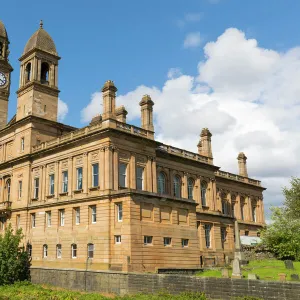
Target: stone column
(56,75)
(70,176)
(85,174)
(108,168)
(33,70)
(56,178)
(39,70)
(154,176)
(214,193)
(148,175)
(43,174)
(21,76)
(102,168)
(116,169)
(197,193)
(132,172)
(184,186)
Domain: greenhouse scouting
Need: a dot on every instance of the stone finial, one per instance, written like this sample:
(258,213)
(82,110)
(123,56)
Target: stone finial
(205,133)
(96,119)
(242,161)
(146,99)
(109,100)
(147,113)
(121,114)
(204,145)
(109,85)
(41,24)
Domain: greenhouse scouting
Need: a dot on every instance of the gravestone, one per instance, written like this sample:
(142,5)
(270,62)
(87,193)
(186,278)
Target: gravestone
(252,276)
(295,277)
(282,277)
(236,268)
(289,264)
(225,273)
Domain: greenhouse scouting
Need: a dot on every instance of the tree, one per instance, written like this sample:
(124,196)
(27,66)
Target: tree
(14,259)
(282,236)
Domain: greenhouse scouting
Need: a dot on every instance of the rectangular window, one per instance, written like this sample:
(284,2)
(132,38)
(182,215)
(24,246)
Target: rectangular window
(91,250)
(120,212)
(122,175)
(74,250)
(93,214)
(36,188)
(167,241)
(48,218)
(148,240)
(184,242)
(58,251)
(242,211)
(95,173)
(61,217)
(18,221)
(33,220)
(64,181)
(117,239)
(207,229)
(77,215)
(51,184)
(246,232)
(79,178)
(22,144)
(140,178)
(20,189)
(254,214)
(223,234)
(45,251)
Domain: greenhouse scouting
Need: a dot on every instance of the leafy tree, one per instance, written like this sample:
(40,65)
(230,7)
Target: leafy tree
(282,236)
(14,260)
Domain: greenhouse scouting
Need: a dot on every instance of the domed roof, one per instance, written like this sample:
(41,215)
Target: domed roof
(41,40)
(3,32)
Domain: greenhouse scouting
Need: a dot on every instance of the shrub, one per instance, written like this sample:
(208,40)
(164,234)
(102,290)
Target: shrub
(14,260)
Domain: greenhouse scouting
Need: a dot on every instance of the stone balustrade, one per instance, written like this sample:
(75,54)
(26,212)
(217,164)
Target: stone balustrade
(238,177)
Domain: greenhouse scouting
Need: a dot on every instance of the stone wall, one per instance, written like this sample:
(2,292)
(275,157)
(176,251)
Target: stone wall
(133,283)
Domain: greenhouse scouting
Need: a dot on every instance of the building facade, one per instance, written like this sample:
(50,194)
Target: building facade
(109,196)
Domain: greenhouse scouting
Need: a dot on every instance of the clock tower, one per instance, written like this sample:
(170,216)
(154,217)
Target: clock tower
(38,88)
(5,71)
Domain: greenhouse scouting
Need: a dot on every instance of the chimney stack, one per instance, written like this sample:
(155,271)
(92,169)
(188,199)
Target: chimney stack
(242,160)
(147,113)
(121,114)
(109,100)
(204,145)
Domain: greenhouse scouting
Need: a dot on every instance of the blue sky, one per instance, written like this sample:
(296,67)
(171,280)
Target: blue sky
(230,65)
(136,42)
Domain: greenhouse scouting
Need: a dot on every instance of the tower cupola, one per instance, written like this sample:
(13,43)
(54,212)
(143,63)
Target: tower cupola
(38,87)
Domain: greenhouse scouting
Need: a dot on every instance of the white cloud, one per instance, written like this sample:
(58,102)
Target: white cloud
(192,40)
(248,96)
(189,18)
(62,110)
(93,108)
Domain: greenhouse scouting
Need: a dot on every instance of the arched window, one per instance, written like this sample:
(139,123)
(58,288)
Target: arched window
(28,72)
(45,73)
(8,183)
(161,183)
(45,251)
(190,188)
(177,186)
(1,49)
(203,193)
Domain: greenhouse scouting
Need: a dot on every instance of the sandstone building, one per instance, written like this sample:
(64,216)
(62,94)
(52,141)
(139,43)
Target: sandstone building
(108,196)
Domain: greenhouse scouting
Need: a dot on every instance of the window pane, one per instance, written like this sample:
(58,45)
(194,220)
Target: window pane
(65,182)
(177,187)
(94,213)
(140,178)
(190,188)
(203,194)
(51,184)
(95,174)
(120,212)
(90,250)
(79,179)
(161,183)
(122,175)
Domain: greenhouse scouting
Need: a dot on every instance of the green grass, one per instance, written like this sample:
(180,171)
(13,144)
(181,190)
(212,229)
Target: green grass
(28,291)
(265,269)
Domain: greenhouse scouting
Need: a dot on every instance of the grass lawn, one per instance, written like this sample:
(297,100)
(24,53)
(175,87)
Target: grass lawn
(265,269)
(30,291)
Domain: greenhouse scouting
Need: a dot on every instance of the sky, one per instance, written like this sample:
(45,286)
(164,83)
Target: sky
(232,66)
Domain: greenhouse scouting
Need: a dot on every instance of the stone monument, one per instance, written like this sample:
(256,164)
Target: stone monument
(236,266)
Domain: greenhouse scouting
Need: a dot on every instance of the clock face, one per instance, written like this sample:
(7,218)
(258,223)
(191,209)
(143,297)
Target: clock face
(2,79)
